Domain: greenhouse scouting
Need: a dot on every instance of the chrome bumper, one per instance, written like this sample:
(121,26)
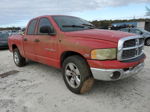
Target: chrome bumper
(115,74)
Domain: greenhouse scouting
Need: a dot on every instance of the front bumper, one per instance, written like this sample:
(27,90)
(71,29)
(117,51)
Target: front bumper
(115,74)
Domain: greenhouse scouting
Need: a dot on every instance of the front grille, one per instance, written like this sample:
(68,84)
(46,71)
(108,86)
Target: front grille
(129,53)
(140,50)
(130,47)
(141,41)
(129,43)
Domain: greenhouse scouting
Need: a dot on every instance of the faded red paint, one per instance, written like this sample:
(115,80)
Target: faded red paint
(50,48)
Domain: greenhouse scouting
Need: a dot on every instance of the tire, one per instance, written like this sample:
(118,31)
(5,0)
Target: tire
(147,42)
(18,59)
(77,75)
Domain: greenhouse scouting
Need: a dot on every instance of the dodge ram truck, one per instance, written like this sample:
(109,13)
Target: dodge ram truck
(83,52)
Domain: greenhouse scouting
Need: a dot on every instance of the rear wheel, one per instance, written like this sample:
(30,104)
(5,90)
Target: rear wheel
(18,59)
(77,75)
(147,41)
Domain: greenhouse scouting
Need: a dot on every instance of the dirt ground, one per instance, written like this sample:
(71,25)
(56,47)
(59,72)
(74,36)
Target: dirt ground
(40,88)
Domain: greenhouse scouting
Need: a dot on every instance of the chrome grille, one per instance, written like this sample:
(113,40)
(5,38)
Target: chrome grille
(129,43)
(130,47)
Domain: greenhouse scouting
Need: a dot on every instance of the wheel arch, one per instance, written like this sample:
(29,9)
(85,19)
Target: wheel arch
(67,54)
(14,46)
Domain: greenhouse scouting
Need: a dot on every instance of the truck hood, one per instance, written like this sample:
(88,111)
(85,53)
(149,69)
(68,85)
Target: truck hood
(100,34)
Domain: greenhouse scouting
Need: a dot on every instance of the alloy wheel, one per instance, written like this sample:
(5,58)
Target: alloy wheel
(72,75)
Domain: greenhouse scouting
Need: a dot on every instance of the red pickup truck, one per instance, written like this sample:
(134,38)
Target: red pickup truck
(83,52)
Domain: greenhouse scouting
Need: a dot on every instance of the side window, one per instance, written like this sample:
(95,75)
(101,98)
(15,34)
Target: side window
(31,27)
(44,22)
(134,30)
(129,30)
(138,32)
(126,30)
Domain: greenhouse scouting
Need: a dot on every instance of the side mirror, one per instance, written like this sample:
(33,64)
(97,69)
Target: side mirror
(47,30)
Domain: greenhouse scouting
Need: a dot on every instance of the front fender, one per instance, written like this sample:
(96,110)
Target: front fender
(85,46)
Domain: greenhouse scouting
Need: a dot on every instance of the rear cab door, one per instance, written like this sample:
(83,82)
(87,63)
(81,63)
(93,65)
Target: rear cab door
(29,40)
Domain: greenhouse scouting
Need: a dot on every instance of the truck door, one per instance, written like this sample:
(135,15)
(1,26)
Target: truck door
(46,44)
(29,40)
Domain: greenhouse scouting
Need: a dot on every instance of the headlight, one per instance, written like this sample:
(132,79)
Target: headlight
(104,54)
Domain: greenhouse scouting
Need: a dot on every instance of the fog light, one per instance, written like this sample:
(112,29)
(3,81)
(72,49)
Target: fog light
(115,75)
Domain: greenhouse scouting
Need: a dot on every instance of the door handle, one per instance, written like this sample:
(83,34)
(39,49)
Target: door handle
(25,39)
(36,40)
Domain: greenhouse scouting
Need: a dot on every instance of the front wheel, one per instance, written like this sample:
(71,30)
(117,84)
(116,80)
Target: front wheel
(147,41)
(18,59)
(77,75)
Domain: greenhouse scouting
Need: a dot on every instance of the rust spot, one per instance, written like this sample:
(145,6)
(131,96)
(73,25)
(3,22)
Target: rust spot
(87,85)
(3,75)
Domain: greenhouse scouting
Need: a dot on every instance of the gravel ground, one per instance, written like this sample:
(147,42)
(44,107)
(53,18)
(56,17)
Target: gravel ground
(40,88)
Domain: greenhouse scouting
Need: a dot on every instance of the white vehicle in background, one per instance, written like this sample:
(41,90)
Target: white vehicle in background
(138,31)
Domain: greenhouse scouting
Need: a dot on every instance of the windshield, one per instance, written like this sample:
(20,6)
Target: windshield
(68,23)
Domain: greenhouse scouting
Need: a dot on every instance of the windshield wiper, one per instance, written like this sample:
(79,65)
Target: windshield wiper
(79,26)
(89,25)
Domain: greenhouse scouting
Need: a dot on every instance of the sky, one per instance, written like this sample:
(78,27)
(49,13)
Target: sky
(19,12)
